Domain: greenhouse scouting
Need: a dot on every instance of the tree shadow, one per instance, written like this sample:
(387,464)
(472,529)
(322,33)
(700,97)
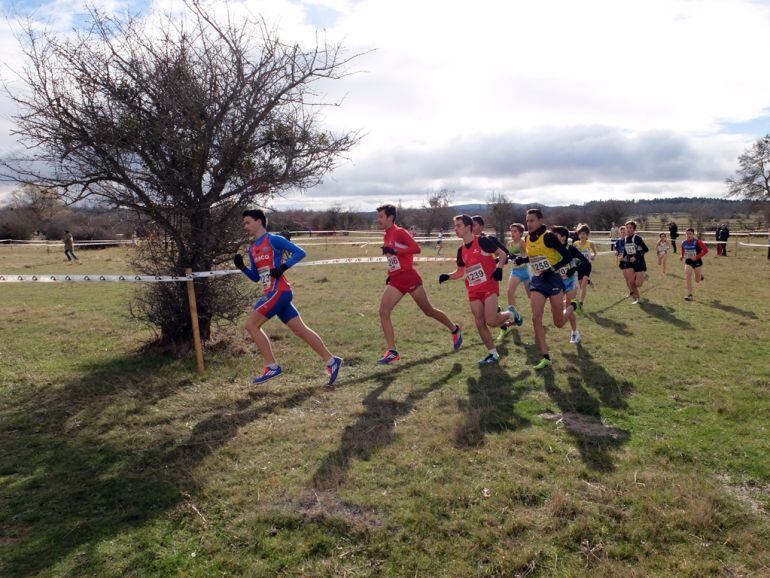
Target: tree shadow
(80,484)
(374,429)
(666,314)
(612,392)
(581,418)
(490,407)
(617,326)
(716,304)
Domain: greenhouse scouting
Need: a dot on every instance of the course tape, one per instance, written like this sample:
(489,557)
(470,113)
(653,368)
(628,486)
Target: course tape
(754,245)
(48,278)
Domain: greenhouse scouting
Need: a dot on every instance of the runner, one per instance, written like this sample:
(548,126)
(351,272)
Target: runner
(482,273)
(632,261)
(693,250)
(588,250)
(661,249)
(619,243)
(614,234)
(545,255)
(519,273)
(570,275)
(439,243)
(400,248)
(266,253)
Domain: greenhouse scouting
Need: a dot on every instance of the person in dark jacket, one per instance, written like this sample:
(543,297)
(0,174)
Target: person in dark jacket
(673,233)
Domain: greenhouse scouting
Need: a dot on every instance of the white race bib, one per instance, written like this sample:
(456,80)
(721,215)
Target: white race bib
(539,263)
(563,272)
(475,275)
(393,263)
(690,253)
(630,249)
(264,277)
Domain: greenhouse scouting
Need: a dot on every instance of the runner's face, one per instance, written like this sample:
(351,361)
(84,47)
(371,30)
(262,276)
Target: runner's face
(690,235)
(477,229)
(252,226)
(515,234)
(623,231)
(460,228)
(533,222)
(582,235)
(383,220)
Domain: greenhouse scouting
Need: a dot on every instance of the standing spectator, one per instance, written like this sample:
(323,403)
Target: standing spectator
(69,247)
(673,233)
(725,236)
(285,233)
(718,237)
(614,234)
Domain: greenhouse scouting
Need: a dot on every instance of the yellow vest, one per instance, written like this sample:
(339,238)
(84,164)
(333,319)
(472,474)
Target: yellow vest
(536,250)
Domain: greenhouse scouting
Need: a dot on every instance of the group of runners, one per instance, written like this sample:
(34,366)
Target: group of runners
(553,264)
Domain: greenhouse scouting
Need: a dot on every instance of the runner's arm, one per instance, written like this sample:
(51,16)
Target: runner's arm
(703,249)
(296,254)
(552,242)
(642,246)
(412,248)
(251,272)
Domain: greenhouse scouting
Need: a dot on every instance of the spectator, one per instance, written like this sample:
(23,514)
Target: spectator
(718,237)
(673,233)
(614,234)
(69,247)
(285,233)
(725,236)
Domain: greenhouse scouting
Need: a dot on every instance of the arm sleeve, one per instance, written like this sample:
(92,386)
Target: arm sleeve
(412,247)
(552,242)
(640,242)
(490,244)
(703,249)
(501,245)
(460,262)
(251,271)
(296,254)
(583,263)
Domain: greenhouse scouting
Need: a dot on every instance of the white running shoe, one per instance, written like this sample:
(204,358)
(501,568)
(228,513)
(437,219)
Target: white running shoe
(575,337)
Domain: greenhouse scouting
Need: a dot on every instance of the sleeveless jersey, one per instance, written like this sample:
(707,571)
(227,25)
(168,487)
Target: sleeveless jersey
(541,258)
(479,267)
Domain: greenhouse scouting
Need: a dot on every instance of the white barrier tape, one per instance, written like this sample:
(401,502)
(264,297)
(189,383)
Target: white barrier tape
(755,245)
(176,279)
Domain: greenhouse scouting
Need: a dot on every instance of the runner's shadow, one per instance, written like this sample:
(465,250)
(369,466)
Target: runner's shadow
(612,392)
(716,304)
(665,314)
(617,326)
(393,369)
(490,407)
(374,429)
(581,418)
(530,349)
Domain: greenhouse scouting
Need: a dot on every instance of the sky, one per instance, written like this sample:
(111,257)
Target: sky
(554,102)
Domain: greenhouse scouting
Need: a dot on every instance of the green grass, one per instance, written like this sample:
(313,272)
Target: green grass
(644,452)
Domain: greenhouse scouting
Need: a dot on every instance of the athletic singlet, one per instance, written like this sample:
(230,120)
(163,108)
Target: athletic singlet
(517,250)
(690,248)
(541,258)
(584,248)
(479,267)
(399,238)
(662,248)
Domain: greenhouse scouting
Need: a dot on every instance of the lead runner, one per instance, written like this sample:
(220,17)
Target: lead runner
(400,249)
(267,268)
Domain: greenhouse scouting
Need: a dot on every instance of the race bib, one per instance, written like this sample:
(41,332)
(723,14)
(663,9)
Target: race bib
(264,277)
(690,253)
(475,275)
(539,263)
(563,272)
(586,253)
(393,263)
(631,249)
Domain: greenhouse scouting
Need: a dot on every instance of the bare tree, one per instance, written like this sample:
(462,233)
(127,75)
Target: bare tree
(436,212)
(752,179)
(186,124)
(501,212)
(604,213)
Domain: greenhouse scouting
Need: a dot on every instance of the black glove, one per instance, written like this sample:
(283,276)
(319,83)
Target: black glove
(238,262)
(278,271)
(520,260)
(498,274)
(388,251)
(443,277)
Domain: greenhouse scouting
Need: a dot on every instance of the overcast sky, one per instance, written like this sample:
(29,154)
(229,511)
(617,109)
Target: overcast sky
(553,101)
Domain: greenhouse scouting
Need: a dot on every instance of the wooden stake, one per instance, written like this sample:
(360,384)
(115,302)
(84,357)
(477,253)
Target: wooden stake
(194,317)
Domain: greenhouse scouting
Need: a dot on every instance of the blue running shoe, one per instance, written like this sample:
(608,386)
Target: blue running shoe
(457,337)
(334,369)
(389,357)
(267,373)
(490,359)
(517,318)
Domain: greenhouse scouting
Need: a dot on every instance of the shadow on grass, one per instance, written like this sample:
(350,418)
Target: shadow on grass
(716,304)
(666,314)
(581,418)
(374,429)
(490,407)
(69,485)
(617,326)
(612,392)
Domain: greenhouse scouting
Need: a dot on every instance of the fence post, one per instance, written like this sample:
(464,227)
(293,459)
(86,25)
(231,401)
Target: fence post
(194,318)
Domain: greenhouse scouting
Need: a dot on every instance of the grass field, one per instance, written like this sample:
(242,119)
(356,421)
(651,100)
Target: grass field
(643,453)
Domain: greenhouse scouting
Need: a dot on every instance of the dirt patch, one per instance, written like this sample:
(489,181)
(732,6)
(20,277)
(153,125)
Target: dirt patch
(320,505)
(585,425)
(751,496)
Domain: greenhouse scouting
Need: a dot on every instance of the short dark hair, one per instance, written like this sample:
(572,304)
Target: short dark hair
(257,215)
(561,231)
(518,226)
(690,230)
(632,223)
(478,219)
(583,228)
(537,212)
(467,221)
(67,231)
(389,210)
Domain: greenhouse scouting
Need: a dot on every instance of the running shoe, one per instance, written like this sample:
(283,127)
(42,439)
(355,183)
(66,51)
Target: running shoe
(503,332)
(334,369)
(579,308)
(545,362)
(457,337)
(517,318)
(575,337)
(689,298)
(389,357)
(267,373)
(490,359)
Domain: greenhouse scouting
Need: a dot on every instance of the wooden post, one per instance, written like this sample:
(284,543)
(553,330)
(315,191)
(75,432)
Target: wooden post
(194,318)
